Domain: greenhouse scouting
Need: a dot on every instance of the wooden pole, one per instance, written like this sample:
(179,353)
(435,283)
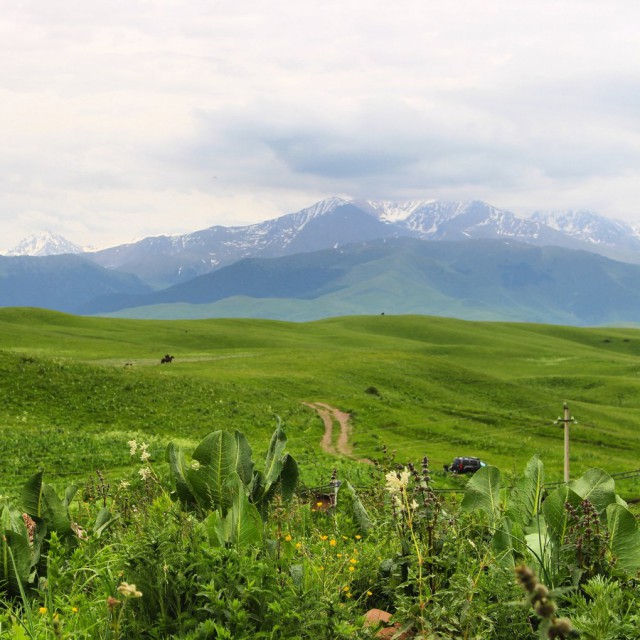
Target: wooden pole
(566,420)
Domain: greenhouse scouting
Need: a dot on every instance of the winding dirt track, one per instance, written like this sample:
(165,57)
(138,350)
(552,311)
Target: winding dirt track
(331,415)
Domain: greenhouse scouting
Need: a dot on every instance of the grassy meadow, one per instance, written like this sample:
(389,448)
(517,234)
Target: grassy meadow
(76,389)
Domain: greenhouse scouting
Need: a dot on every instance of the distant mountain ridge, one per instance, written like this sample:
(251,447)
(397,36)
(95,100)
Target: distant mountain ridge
(344,256)
(162,261)
(481,279)
(166,260)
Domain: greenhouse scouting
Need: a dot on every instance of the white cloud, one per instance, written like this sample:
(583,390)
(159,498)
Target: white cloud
(126,119)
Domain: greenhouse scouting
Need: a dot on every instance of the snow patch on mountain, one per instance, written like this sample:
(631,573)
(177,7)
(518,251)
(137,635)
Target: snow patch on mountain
(586,226)
(391,211)
(45,243)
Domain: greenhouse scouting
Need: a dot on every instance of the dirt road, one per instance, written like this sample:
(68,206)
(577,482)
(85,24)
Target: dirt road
(330,416)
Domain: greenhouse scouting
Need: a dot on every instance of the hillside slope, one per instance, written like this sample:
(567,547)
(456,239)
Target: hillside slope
(476,280)
(61,282)
(83,387)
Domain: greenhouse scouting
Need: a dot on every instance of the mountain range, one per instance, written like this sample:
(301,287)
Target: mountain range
(476,280)
(352,256)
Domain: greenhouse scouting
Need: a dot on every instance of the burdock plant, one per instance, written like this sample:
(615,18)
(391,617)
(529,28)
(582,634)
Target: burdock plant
(541,601)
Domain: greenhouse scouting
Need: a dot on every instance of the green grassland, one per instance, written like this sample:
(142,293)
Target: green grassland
(74,390)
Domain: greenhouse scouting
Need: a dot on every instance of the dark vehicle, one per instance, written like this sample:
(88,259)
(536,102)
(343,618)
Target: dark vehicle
(465,465)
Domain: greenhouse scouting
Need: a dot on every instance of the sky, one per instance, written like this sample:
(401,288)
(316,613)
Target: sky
(126,119)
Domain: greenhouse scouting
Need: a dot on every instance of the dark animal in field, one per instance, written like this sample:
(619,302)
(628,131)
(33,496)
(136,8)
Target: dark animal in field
(167,359)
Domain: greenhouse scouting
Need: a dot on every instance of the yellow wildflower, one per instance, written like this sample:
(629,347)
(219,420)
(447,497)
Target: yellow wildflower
(288,537)
(358,536)
(42,610)
(332,542)
(352,568)
(323,537)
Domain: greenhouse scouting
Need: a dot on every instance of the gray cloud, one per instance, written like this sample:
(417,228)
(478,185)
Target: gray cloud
(124,119)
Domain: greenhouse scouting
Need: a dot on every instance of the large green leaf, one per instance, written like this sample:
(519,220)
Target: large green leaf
(104,520)
(41,502)
(289,477)
(201,481)
(244,460)
(555,513)
(15,560)
(624,538)
(360,514)
(217,529)
(527,495)
(245,523)
(482,492)
(241,526)
(11,520)
(502,543)
(539,544)
(274,462)
(69,494)
(178,467)
(32,498)
(217,455)
(596,486)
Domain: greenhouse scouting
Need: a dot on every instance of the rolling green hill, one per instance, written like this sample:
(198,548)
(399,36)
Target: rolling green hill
(76,389)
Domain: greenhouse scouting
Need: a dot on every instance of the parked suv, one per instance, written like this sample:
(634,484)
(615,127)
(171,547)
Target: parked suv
(464,465)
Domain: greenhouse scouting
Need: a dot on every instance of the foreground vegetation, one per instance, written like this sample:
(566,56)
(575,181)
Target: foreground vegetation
(222,549)
(79,393)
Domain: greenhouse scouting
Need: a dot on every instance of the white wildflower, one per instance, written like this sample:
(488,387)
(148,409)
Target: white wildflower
(414,505)
(397,482)
(124,484)
(145,473)
(133,447)
(129,590)
(144,452)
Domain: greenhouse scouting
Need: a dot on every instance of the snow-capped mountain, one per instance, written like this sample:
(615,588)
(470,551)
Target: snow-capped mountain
(589,227)
(166,260)
(46,243)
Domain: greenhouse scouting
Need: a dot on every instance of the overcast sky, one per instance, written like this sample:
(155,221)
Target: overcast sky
(127,118)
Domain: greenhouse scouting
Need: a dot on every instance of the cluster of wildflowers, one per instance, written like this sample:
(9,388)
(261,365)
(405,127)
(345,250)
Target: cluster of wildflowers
(397,486)
(587,534)
(116,607)
(142,450)
(129,590)
(542,603)
(335,560)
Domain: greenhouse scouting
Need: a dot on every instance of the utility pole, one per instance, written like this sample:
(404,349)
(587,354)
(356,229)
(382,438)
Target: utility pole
(566,420)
